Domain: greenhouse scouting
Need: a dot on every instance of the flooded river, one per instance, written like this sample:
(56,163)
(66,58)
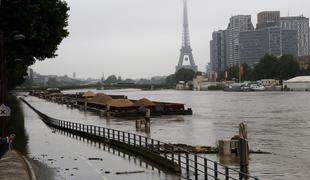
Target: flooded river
(278,122)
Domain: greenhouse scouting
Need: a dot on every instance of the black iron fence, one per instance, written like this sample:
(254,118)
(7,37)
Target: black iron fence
(190,165)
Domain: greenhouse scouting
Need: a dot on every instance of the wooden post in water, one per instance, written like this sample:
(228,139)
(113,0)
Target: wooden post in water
(85,105)
(108,111)
(243,149)
(138,123)
(147,120)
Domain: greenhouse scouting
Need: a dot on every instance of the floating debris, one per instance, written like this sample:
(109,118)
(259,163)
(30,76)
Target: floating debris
(96,159)
(107,172)
(129,172)
(75,168)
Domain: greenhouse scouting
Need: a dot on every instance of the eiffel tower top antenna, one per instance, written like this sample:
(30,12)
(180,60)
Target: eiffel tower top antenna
(186,50)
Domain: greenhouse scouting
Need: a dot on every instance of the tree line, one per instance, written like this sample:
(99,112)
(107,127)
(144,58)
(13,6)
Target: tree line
(269,67)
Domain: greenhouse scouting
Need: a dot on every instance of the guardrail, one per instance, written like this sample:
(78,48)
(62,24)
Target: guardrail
(188,165)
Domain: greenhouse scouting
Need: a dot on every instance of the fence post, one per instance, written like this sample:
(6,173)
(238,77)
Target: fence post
(145,139)
(215,170)
(113,134)
(99,129)
(128,137)
(179,159)
(123,136)
(118,138)
(108,133)
(152,143)
(206,168)
(134,139)
(172,154)
(187,164)
(139,140)
(226,173)
(158,146)
(196,167)
(103,132)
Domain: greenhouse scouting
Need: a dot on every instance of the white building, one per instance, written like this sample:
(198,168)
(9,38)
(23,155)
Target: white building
(299,83)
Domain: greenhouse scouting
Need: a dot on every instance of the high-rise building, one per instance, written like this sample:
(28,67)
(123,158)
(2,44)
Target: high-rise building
(268,19)
(236,25)
(218,51)
(271,40)
(301,25)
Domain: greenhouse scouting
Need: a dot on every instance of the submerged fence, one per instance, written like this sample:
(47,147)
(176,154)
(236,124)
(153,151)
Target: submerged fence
(188,165)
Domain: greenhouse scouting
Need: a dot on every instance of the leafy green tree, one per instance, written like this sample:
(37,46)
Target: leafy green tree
(233,73)
(111,79)
(185,74)
(266,68)
(247,73)
(171,79)
(287,67)
(43,24)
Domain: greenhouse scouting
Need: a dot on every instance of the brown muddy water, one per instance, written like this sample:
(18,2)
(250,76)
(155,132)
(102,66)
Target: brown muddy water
(278,122)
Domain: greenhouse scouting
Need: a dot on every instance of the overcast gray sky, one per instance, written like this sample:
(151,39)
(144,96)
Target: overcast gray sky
(142,38)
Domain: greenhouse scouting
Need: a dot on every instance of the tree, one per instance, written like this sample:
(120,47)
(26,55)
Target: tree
(287,67)
(170,79)
(233,72)
(42,22)
(185,74)
(111,79)
(266,68)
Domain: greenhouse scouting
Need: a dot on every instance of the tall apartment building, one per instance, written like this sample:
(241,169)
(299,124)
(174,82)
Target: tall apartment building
(236,25)
(270,40)
(218,51)
(301,25)
(268,19)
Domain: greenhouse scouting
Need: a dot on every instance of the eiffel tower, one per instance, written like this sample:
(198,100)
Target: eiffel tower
(186,50)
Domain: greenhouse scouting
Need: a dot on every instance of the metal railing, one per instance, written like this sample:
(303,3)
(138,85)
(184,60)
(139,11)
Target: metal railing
(192,166)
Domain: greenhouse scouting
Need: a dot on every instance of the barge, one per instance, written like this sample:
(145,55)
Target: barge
(115,105)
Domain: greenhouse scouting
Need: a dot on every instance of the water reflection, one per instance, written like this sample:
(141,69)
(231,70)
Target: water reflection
(142,162)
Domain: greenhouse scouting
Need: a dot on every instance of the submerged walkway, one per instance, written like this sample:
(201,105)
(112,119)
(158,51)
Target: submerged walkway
(187,165)
(13,166)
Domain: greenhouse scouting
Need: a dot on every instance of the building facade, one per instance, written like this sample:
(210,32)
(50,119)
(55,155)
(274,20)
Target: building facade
(301,25)
(218,51)
(268,19)
(236,25)
(271,40)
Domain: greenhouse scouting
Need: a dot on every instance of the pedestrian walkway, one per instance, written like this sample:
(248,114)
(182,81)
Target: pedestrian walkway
(13,166)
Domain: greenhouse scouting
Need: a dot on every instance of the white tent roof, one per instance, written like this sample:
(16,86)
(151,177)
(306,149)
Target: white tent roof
(299,79)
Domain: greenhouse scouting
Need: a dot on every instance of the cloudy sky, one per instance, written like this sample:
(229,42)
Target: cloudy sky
(142,38)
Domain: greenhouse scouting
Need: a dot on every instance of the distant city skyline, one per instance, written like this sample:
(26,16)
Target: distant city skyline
(137,38)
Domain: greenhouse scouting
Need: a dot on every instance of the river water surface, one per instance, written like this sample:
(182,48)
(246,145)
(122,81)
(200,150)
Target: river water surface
(278,122)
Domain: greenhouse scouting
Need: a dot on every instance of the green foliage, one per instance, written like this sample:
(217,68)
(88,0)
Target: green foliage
(269,67)
(111,79)
(171,79)
(185,74)
(42,22)
(266,68)
(287,67)
(233,73)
